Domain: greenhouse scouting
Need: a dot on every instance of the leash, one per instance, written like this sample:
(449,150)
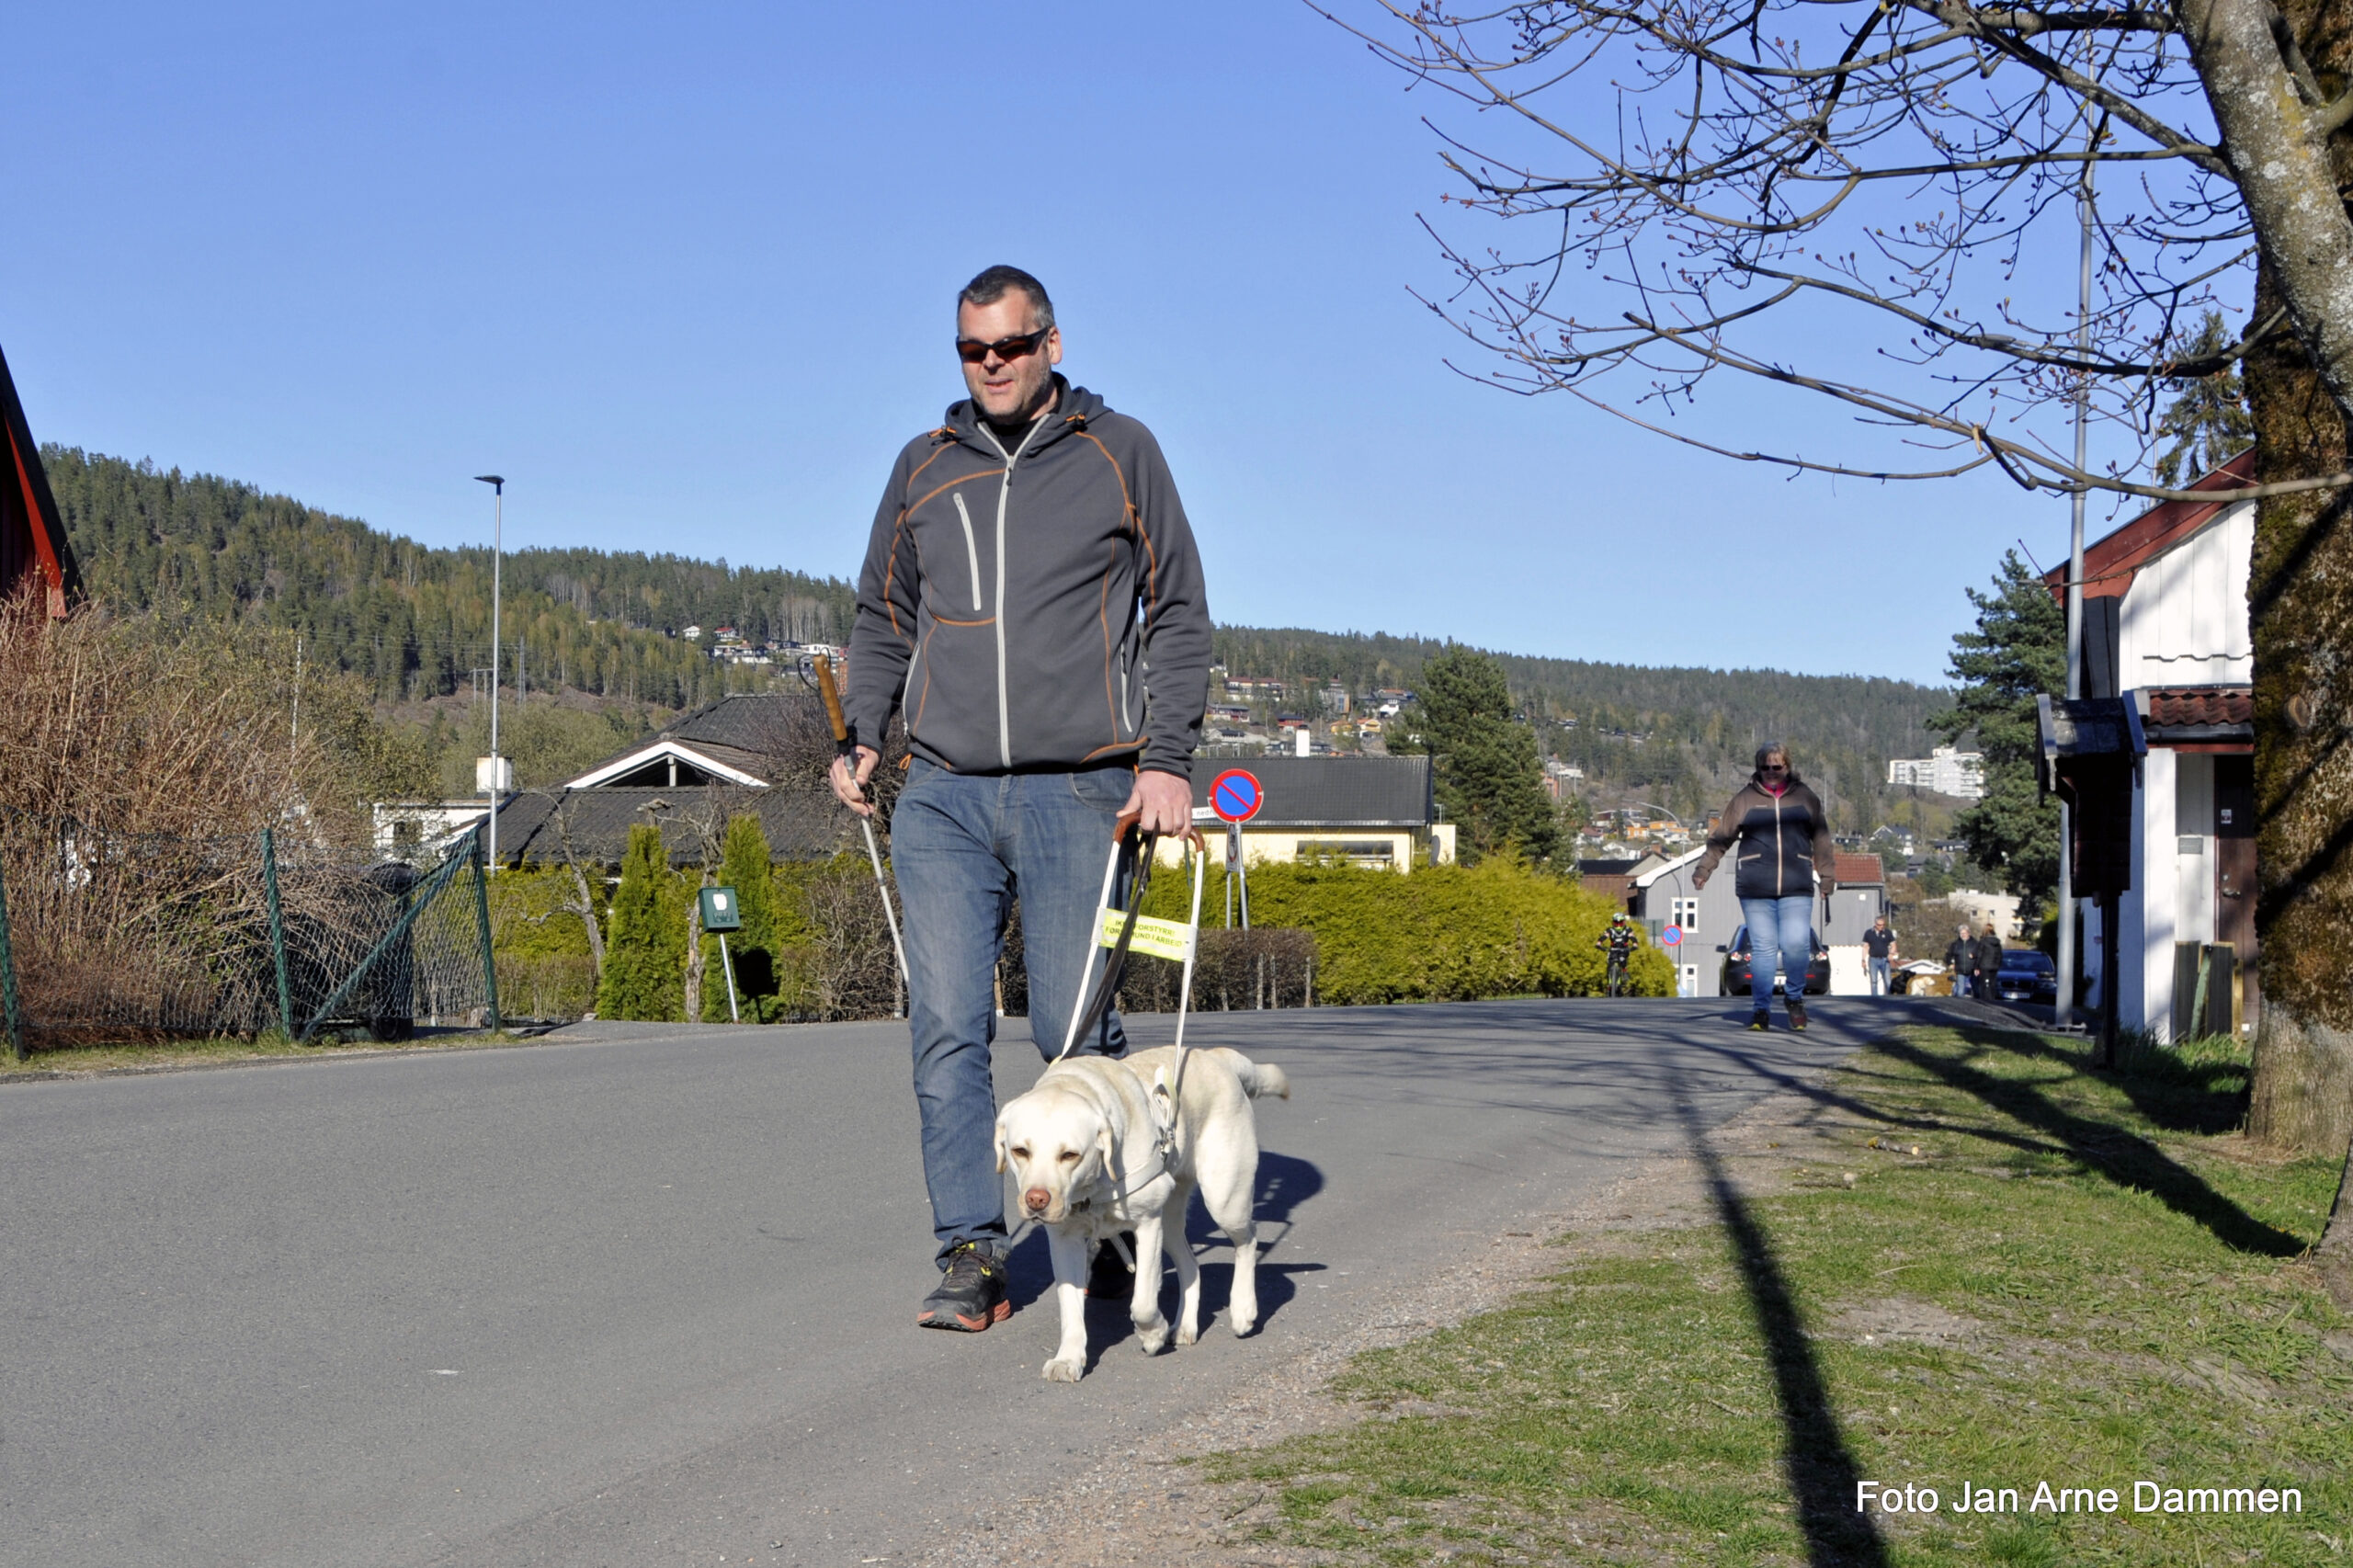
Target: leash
(1095,994)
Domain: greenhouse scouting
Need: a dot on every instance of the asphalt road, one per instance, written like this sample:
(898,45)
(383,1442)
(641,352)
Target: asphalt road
(644,1295)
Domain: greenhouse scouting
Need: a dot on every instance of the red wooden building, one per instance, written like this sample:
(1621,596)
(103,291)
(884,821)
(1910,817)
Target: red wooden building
(32,538)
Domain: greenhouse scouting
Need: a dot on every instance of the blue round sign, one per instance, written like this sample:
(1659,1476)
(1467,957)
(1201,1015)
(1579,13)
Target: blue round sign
(1234,795)
(1672,936)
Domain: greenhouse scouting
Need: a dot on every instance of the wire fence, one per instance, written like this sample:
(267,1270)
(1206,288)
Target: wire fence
(108,937)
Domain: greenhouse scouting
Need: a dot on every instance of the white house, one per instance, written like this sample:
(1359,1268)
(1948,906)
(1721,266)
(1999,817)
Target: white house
(2166,631)
(1660,896)
(1944,771)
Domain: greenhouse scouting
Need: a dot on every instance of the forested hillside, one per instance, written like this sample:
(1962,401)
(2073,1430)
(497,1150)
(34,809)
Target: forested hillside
(413,622)
(413,619)
(1680,735)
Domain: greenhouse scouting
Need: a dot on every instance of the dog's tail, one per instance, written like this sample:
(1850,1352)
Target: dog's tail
(1260,1079)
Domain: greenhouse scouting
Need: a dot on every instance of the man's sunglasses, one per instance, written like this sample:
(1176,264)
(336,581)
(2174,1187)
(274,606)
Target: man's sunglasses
(972,351)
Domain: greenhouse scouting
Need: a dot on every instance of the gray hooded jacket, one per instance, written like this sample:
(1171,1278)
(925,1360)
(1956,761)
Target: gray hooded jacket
(1037,609)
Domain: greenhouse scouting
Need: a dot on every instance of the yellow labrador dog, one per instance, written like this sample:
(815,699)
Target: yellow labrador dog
(1103,1145)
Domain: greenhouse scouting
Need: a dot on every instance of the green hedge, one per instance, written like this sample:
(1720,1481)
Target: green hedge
(1440,934)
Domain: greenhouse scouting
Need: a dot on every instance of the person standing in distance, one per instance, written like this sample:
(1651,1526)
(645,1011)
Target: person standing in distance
(1960,957)
(1032,602)
(1985,985)
(1783,837)
(1878,952)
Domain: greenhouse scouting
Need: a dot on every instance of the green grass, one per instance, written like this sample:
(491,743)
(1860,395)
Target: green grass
(2082,1279)
(149,1056)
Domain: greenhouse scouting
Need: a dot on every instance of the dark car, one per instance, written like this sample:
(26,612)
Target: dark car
(1736,970)
(2026,975)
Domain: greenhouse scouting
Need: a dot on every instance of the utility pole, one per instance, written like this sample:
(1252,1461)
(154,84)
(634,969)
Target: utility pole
(294,739)
(497,546)
(2063,1004)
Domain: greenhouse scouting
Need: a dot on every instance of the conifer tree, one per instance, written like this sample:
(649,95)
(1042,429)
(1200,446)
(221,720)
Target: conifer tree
(2207,422)
(643,944)
(743,866)
(2019,649)
(1490,778)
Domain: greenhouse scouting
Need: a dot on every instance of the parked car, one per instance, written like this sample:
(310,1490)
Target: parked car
(2026,975)
(1736,970)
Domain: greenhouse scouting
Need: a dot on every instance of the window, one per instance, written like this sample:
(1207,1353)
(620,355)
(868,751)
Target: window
(1683,913)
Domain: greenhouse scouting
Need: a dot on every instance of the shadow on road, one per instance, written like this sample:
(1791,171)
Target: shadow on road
(1284,1182)
(1820,1470)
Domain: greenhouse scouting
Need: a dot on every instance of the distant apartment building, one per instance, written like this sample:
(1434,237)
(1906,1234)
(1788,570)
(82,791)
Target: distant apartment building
(1561,778)
(1944,770)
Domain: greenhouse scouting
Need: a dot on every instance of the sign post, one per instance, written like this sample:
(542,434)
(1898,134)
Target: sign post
(1236,796)
(721,915)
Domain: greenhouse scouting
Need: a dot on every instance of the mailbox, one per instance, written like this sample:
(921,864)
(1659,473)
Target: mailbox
(720,912)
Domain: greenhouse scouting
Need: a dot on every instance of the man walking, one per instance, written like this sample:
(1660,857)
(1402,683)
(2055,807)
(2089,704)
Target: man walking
(1960,957)
(1878,950)
(1032,602)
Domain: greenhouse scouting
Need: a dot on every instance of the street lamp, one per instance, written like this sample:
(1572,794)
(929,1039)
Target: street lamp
(497,484)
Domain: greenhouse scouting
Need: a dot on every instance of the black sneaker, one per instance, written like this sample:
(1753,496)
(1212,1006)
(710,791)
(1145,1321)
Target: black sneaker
(1760,1020)
(1797,1015)
(1109,1277)
(970,1294)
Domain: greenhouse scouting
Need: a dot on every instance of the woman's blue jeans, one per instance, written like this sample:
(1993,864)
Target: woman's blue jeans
(963,846)
(1780,936)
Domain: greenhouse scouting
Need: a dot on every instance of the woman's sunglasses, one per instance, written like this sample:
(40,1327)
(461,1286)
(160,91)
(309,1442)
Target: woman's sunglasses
(972,351)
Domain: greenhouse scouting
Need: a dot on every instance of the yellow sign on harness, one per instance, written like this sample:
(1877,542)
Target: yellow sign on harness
(1162,938)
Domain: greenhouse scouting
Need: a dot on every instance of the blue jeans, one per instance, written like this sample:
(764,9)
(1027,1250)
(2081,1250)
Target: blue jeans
(1780,936)
(1880,971)
(963,846)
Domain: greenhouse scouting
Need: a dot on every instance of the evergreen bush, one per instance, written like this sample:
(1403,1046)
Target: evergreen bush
(743,866)
(544,967)
(1441,934)
(646,938)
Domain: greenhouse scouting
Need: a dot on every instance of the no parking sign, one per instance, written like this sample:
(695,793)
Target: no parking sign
(1236,795)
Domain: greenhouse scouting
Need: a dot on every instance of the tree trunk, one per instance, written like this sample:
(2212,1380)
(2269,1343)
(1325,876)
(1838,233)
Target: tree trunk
(694,951)
(584,906)
(2299,598)
(2289,171)
(2335,1255)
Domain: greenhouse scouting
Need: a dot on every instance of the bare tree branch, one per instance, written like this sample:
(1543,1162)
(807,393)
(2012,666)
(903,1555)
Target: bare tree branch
(1751,173)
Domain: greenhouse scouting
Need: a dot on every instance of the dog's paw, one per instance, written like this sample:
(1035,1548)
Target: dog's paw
(1065,1369)
(1187,1335)
(1151,1336)
(1243,1323)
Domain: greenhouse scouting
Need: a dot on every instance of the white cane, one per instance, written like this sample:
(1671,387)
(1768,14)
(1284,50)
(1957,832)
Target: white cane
(833,699)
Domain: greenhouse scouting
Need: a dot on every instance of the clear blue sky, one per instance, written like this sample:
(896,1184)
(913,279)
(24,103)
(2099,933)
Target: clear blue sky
(685,275)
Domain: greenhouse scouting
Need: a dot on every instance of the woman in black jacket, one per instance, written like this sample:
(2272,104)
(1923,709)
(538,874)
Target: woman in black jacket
(1986,984)
(1785,850)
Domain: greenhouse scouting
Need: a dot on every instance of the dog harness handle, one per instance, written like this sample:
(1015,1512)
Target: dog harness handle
(1093,1004)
